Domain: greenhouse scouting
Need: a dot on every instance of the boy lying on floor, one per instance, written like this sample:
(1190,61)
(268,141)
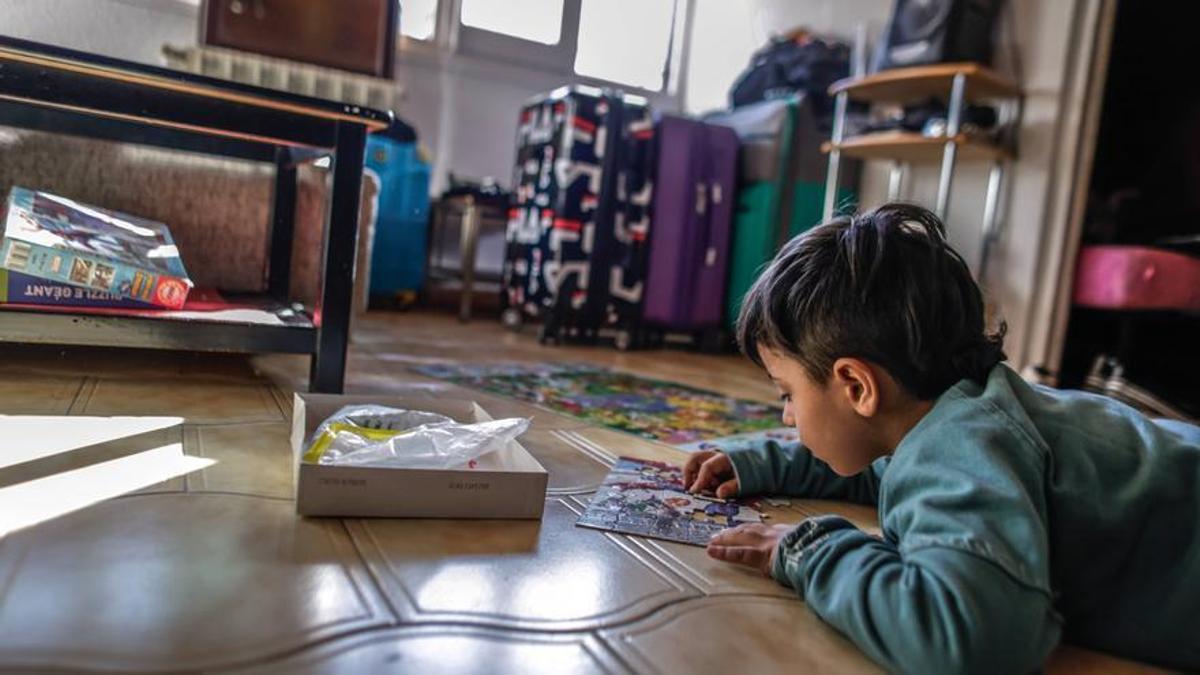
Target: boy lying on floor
(1012,514)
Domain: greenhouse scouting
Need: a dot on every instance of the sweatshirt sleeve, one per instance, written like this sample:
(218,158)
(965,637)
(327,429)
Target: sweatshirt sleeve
(790,469)
(960,583)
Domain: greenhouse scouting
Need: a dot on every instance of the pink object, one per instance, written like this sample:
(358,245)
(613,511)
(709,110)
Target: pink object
(1136,277)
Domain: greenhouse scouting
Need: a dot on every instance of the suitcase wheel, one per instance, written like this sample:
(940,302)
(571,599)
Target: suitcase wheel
(624,340)
(547,335)
(511,318)
(711,341)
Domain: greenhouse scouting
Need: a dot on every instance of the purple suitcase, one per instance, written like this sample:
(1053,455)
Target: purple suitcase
(692,222)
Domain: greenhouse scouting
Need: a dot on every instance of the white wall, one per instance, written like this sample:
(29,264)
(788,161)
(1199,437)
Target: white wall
(127,29)
(725,34)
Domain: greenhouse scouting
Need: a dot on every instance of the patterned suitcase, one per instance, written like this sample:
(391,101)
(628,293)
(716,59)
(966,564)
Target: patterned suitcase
(578,227)
(692,221)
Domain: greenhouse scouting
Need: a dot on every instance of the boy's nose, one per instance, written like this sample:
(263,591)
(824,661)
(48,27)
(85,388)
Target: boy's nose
(788,419)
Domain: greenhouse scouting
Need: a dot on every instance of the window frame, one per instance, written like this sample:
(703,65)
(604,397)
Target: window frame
(453,40)
(488,45)
(667,84)
(437,27)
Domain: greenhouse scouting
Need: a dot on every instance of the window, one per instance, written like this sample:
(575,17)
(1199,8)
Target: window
(722,41)
(418,18)
(533,20)
(625,41)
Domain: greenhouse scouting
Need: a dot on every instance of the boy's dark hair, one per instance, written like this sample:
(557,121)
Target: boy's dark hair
(884,286)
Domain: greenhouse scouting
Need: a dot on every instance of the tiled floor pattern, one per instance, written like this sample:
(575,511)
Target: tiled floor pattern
(214,571)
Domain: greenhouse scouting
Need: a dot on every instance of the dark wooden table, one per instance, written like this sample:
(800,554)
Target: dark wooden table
(64,91)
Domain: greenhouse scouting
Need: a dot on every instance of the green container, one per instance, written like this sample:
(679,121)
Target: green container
(757,236)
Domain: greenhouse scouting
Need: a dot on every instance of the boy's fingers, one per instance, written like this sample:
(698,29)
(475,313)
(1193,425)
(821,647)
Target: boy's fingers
(728,489)
(725,553)
(743,555)
(711,470)
(692,467)
(704,477)
(717,551)
(722,538)
(734,536)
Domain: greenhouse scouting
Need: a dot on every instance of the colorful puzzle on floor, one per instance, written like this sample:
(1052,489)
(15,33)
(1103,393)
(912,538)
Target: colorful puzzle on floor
(781,436)
(648,499)
(663,411)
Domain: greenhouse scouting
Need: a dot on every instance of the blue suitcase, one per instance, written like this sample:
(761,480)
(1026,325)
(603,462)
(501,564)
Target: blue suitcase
(398,251)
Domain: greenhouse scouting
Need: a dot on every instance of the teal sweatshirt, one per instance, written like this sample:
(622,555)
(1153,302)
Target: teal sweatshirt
(1013,515)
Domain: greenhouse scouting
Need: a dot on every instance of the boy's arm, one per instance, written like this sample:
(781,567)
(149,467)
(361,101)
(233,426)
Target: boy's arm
(961,584)
(771,468)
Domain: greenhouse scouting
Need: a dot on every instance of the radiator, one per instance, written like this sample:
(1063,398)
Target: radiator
(283,75)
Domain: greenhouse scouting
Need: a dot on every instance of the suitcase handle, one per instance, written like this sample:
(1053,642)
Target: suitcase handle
(702,201)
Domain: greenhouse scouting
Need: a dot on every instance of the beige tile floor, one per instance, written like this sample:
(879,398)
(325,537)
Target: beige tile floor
(213,571)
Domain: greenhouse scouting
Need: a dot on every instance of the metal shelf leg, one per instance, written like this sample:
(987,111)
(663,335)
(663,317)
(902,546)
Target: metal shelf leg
(835,155)
(950,153)
(991,215)
(896,180)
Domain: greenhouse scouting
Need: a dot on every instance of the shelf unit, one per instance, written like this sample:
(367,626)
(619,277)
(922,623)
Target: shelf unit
(906,146)
(957,84)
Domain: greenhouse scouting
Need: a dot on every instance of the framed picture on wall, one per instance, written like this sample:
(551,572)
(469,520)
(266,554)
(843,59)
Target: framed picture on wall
(354,35)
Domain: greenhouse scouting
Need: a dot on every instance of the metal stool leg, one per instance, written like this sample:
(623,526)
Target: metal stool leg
(470,242)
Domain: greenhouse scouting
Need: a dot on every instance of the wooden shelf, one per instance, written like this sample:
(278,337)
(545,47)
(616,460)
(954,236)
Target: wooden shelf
(906,146)
(907,85)
(208,322)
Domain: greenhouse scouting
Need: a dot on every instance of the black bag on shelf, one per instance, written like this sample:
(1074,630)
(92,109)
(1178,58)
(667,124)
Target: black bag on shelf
(800,62)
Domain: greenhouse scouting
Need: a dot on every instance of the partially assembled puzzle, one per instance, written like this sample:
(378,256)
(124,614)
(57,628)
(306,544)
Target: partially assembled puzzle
(649,499)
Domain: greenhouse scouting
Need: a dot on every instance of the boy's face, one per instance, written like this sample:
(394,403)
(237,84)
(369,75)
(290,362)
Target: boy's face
(824,415)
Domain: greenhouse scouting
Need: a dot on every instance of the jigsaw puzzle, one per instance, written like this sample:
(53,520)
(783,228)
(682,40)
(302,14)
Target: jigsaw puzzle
(648,499)
(663,411)
(782,436)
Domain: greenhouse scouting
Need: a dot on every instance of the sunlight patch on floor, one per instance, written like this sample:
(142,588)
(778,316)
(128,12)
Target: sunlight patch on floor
(53,465)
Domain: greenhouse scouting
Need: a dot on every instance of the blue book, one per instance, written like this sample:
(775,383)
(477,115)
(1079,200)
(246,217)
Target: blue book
(58,239)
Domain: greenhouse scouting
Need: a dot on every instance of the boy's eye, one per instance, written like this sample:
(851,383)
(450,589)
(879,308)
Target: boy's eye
(786,398)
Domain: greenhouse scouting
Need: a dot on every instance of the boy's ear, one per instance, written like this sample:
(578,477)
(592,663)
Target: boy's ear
(855,379)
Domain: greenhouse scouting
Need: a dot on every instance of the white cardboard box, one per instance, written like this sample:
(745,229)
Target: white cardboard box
(507,483)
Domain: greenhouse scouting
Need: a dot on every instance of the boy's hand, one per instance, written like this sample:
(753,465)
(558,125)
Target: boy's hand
(710,470)
(753,545)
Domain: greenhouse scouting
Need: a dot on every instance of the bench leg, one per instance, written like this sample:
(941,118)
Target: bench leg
(341,247)
(283,226)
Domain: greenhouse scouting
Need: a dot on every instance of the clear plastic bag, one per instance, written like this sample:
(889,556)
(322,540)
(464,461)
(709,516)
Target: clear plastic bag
(373,435)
